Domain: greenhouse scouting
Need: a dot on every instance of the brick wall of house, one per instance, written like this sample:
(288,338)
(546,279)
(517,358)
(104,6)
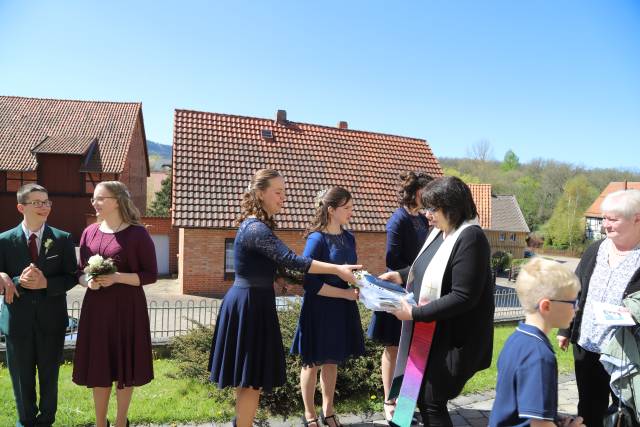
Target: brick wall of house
(202,252)
(134,174)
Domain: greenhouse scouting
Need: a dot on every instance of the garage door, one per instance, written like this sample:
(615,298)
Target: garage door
(161,242)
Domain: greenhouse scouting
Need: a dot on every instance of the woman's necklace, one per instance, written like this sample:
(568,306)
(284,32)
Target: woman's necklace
(113,237)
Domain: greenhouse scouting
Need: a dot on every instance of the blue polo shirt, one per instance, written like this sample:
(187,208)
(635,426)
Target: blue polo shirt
(527,385)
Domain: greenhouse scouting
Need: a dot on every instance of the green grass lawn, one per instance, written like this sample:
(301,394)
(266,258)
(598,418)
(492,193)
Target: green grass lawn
(169,399)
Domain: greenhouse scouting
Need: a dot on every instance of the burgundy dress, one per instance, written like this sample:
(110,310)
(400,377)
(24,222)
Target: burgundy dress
(114,339)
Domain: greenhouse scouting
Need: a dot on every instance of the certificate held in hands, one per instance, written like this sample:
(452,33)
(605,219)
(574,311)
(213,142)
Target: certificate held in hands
(380,295)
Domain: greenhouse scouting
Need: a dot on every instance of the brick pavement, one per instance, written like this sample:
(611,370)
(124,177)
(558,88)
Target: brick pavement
(466,411)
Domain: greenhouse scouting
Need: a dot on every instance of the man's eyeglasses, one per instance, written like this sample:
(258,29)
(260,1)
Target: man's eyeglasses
(101,199)
(39,203)
(573,302)
(431,210)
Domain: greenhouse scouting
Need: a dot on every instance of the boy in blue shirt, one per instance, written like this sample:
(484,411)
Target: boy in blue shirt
(527,388)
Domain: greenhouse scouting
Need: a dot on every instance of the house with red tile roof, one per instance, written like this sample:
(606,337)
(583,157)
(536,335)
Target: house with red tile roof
(69,146)
(215,155)
(593,215)
(501,219)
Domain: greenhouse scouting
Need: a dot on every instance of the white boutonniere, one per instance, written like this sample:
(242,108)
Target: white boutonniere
(47,245)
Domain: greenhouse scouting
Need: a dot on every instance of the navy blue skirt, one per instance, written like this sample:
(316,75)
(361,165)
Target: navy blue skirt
(247,346)
(329,331)
(384,328)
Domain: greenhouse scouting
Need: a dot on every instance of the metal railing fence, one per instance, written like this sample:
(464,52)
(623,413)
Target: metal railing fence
(170,319)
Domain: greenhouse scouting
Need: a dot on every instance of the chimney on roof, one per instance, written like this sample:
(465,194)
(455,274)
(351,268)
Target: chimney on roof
(281,117)
(343,125)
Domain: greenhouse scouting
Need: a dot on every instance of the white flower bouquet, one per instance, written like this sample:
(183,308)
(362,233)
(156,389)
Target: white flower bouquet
(380,295)
(98,266)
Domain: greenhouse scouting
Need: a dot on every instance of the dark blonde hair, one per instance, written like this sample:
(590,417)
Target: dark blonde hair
(128,210)
(251,204)
(333,197)
(410,183)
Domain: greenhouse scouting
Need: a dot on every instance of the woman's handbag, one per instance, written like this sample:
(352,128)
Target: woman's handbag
(622,417)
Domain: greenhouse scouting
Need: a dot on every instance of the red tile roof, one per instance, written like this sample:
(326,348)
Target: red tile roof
(482,197)
(594,209)
(25,123)
(215,156)
(73,144)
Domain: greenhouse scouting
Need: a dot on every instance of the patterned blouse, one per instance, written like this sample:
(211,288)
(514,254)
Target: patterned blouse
(606,285)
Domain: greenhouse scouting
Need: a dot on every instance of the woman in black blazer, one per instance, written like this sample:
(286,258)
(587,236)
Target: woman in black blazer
(456,259)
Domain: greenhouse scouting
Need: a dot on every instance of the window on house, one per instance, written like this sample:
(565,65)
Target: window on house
(513,237)
(502,237)
(15,180)
(229,269)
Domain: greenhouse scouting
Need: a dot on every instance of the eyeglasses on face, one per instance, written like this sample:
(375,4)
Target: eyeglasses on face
(573,302)
(40,203)
(431,210)
(101,199)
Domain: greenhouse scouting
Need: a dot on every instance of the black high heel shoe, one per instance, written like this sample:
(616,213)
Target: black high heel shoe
(306,422)
(336,422)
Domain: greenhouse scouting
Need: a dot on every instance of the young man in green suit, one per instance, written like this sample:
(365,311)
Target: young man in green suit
(37,268)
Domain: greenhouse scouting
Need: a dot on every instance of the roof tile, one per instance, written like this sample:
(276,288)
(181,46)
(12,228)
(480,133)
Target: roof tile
(31,125)
(217,154)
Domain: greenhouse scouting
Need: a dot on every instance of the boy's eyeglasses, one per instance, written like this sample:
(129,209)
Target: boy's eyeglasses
(573,302)
(39,203)
(431,210)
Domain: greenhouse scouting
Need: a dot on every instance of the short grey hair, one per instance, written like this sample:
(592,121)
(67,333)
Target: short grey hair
(623,202)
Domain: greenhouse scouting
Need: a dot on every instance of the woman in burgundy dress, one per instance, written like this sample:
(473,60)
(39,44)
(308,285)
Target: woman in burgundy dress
(114,340)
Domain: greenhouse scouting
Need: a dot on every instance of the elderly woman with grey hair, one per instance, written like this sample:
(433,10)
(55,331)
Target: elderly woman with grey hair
(608,271)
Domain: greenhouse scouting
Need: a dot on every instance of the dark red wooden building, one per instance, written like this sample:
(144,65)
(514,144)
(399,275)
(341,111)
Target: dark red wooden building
(68,147)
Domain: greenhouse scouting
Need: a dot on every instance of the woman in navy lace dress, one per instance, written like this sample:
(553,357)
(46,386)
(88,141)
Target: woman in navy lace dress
(329,330)
(407,230)
(247,351)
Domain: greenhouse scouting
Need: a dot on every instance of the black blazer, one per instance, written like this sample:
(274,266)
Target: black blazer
(584,271)
(463,339)
(46,309)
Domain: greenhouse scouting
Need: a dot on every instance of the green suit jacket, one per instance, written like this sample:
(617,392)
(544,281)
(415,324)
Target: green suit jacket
(45,310)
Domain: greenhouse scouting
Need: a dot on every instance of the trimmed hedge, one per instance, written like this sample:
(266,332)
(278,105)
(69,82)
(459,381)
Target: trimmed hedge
(357,377)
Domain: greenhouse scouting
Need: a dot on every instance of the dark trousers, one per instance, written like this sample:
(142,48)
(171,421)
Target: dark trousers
(25,354)
(434,414)
(433,411)
(593,386)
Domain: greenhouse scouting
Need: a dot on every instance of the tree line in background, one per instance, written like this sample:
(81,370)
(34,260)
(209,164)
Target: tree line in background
(553,195)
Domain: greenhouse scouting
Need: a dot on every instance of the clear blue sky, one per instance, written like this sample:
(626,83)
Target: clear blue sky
(551,79)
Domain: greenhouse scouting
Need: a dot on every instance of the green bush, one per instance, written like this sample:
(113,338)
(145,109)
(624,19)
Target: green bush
(191,353)
(357,377)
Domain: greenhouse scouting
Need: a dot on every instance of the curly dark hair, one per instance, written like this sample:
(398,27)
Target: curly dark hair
(410,183)
(333,197)
(251,204)
(451,195)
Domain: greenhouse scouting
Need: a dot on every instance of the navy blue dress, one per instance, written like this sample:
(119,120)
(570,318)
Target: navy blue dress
(329,329)
(406,234)
(247,348)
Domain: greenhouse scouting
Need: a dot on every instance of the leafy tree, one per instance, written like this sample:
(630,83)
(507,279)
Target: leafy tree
(469,179)
(565,228)
(161,204)
(510,162)
(527,192)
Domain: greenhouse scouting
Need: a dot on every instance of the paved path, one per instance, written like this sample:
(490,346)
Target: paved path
(466,411)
